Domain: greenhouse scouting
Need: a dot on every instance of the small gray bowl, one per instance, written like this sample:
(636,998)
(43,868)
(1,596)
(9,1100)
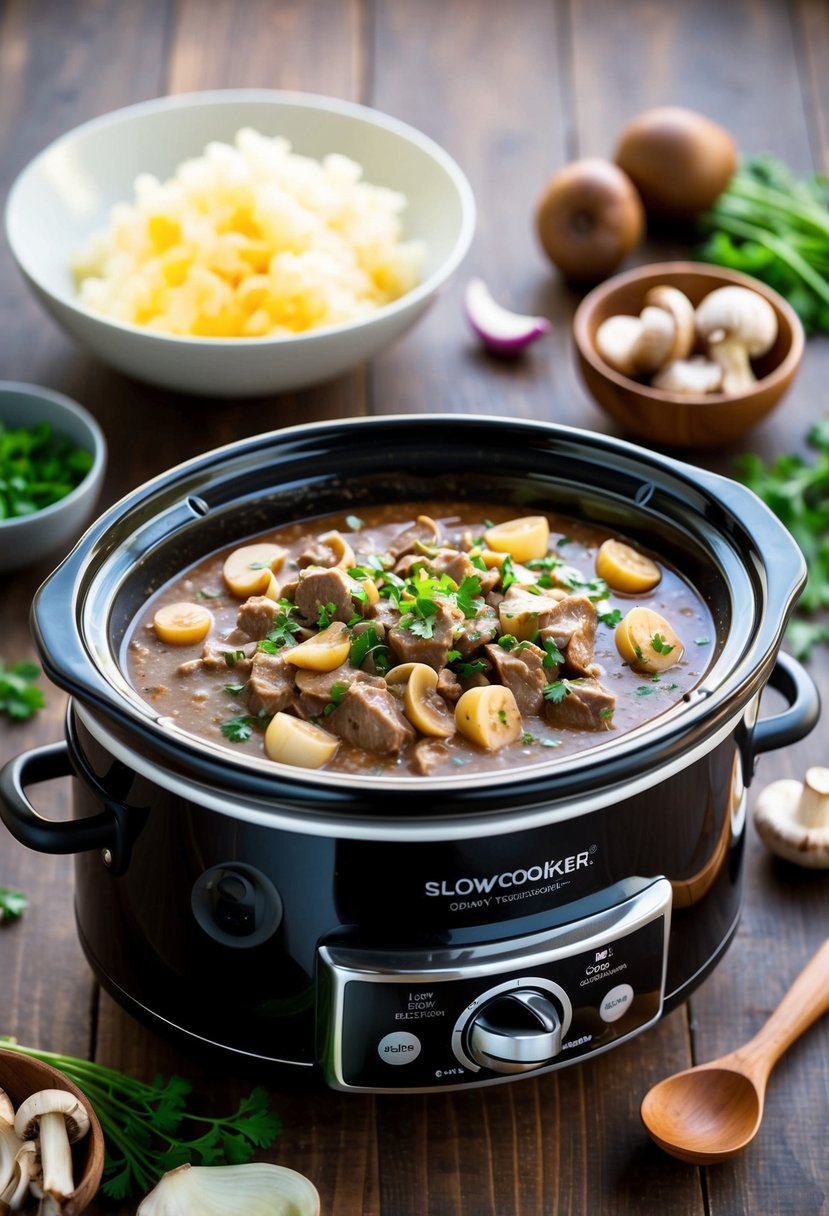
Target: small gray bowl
(27,539)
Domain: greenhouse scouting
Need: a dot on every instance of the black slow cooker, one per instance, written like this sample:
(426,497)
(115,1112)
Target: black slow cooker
(417,933)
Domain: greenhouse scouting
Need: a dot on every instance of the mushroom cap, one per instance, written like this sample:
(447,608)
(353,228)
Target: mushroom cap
(737,314)
(675,302)
(656,340)
(48,1101)
(780,829)
(6,1107)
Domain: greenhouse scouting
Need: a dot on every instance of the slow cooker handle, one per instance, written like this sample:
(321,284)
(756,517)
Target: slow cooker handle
(797,686)
(101,831)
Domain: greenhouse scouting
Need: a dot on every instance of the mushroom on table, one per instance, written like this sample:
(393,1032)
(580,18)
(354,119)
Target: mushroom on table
(57,1119)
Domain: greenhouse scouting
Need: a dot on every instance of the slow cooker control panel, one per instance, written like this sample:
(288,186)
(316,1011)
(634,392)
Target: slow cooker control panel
(421,1020)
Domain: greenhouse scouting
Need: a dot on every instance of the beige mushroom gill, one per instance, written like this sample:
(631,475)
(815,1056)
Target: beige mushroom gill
(57,1119)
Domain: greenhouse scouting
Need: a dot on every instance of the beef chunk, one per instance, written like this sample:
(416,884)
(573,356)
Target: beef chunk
(314,687)
(368,717)
(226,656)
(572,626)
(429,756)
(256,617)
(587,706)
(270,687)
(523,674)
(433,651)
(523,613)
(423,530)
(448,685)
(321,552)
(477,631)
(457,565)
(384,614)
(318,588)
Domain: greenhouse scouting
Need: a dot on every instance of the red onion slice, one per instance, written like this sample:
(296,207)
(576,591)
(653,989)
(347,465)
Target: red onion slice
(497,327)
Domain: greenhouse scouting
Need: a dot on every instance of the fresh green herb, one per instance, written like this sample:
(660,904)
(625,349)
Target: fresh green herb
(550,562)
(556,692)
(467,596)
(12,904)
(502,717)
(234,689)
(508,575)
(325,614)
(338,691)
(564,540)
(612,618)
(659,644)
(353,522)
(232,657)
(238,730)
(797,491)
(208,593)
(478,562)
(368,643)
(527,738)
(20,697)
(360,594)
(37,468)
(701,641)
(284,628)
(510,643)
(551,742)
(142,1123)
(606,713)
(644,690)
(769,224)
(471,668)
(552,654)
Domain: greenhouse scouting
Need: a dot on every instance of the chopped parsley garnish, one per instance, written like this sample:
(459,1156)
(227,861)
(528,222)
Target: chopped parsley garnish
(338,691)
(238,730)
(232,657)
(659,644)
(644,690)
(354,522)
(502,716)
(325,615)
(508,575)
(234,689)
(552,654)
(471,668)
(20,697)
(467,595)
(283,629)
(557,691)
(510,643)
(478,562)
(701,641)
(564,540)
(208,593)
(12,904)
(606,713)
(37,468)
(612,618)
(428,593)
(527,738)
(259,566)
(368,643)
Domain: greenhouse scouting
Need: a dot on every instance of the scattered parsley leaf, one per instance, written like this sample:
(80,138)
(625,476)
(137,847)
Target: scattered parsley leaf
(353,522)
(659,644)
(12,904)
(238,730)
(552,655)
(20,697)
(556,692)
(611,619)
(338,691)
(324,615)
(232,657)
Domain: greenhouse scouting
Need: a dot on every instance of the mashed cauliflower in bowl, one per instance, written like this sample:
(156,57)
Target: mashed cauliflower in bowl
(239,242)
(250,240)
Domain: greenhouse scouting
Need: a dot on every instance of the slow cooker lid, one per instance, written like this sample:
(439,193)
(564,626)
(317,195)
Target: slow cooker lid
(715,531)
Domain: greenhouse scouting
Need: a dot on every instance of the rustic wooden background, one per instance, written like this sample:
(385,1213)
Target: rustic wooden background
(512,91)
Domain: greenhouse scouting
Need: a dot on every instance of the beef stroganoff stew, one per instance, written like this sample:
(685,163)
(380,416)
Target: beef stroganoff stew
(426,638)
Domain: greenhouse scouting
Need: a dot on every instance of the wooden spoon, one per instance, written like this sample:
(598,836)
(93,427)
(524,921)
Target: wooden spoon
(712,1112)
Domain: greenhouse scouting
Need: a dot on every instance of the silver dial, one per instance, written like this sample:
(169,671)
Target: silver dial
(515,1031)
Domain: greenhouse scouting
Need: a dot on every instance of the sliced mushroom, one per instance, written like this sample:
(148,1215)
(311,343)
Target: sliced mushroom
(697,375)
(10,1144)
(57,1119)
(523,539)
(302,744)
(322,652)
(488,716)
(25,1177)
(675,302)
(737,324)
(422,704)
(249,569)
(647,641)
(792,819)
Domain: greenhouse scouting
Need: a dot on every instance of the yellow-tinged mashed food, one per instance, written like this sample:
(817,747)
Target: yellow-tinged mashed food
(250,240)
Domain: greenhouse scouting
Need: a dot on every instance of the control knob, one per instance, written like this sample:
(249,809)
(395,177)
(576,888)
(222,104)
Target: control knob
(515,1031)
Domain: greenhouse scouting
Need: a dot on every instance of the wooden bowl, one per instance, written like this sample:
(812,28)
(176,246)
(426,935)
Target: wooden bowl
(22,1075)
(683,420)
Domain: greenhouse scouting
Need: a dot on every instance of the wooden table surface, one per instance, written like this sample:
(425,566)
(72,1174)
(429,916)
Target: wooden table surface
(512,91)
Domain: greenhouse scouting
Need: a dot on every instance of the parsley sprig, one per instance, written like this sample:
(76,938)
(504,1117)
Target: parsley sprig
(20,697)
(142,1123)
(12,904)
(37,468)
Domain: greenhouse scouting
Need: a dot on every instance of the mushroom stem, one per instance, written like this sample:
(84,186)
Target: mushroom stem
(56,1156)
(813,807)
(14,1196)
(732,356)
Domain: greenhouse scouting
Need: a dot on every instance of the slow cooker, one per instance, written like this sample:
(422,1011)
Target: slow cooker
(418,933)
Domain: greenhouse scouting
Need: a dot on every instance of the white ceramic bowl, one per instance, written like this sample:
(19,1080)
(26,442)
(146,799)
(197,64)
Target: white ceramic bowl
(27,539)
(67,191)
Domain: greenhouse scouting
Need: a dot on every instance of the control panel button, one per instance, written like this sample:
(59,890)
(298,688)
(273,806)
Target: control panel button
(616,1003)
(400,1047)
(515,1032)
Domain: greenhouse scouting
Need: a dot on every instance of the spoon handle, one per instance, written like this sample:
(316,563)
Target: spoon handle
(806,1000)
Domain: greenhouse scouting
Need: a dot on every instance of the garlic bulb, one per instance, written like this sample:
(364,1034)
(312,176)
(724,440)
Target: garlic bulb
(255,1189)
